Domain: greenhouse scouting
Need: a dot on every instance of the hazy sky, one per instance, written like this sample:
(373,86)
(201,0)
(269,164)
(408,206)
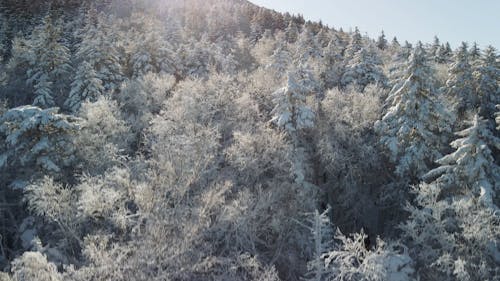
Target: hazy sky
(412,20)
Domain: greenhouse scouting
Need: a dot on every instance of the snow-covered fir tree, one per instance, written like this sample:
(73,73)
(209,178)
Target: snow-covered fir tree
(444,53)
(454,227)
(471,167)
(280,60)
(395,43)
(332,65)
(98,48)
(363,69)
(86,86)
(307,47)
(460,85)
(436,44)
(414,128)
(292,114)
(153,54)
(474,53)
(487,80)
(37,140)
(381,41)
(354,46)
(291,111)
(292,32)
(49,63)
(321,232)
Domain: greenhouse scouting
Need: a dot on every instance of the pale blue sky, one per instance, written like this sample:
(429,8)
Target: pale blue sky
(412,20)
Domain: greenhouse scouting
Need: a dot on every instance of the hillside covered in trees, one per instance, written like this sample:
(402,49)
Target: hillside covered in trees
(217,140)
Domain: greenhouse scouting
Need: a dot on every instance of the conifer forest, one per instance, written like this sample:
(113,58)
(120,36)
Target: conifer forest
(155,140)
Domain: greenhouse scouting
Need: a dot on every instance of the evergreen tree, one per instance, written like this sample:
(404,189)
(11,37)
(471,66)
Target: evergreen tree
(280,60)
(395,43)
(413,129)
(194,58)
(292,32)
(444,53)
(354,46)
(381,41)
(99,48)
(48,63)
(460,83)
(291,111)
(321,231)
(434,47)
(332,65)
(454,226)
(307,47)
(471,167)
(85,87)
(363,69)
(149,52)
(487,80)
(292,114)
(323,37)
(398,64)
(474,53)
(36,140)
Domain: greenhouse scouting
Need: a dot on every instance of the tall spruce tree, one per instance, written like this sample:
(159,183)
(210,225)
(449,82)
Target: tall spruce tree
(487,81)
(413,129)
(49,63)
(364,68)
(381,41)
(460,85)
(454,226)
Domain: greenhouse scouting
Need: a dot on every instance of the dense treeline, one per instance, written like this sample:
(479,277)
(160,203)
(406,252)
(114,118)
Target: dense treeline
(216,140)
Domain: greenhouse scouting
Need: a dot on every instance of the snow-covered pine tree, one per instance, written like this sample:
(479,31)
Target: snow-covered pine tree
(291,111)
(322,234)
(354,46)
(332,65)
(306,47)
(36,140)
(453,230)
(339,41)
(194,57)
(397,66)
(292,114)
(487,81)
(407,50)
(395,43)
(459,85)
(381,41)
(474,53)
(98,48)
(85,87)
(324,37)
(471,168)
(363,69)
(280,60)
(49,62)
(414,128)
(434,48)
(444,53)
(292,32)
(149,51)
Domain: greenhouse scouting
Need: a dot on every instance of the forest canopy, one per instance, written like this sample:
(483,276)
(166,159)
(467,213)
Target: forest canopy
(218,140)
